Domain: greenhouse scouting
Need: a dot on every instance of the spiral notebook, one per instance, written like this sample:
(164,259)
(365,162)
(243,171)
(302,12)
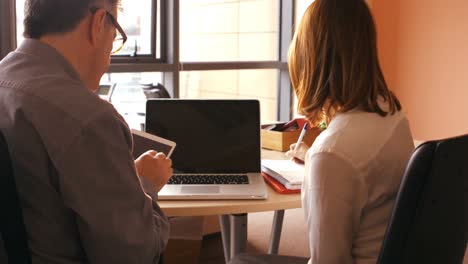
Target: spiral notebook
(287,172)
(278,186)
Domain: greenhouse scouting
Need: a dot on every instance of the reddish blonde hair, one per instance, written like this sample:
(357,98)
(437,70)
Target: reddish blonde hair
(333,61)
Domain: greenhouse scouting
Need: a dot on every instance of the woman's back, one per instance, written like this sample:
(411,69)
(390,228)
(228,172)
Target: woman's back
(353,171)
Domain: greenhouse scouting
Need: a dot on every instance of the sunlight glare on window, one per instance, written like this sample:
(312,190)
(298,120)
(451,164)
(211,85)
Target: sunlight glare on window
(136,21)
(19,21)
(235,30)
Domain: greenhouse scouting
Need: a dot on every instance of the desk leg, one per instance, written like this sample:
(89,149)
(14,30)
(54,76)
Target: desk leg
(276,232)
(238,233)
(226,236)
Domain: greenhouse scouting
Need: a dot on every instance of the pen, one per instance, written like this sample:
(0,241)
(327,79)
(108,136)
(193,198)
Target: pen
(301,136)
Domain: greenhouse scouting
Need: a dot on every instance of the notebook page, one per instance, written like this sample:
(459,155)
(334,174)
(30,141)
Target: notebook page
(288,169)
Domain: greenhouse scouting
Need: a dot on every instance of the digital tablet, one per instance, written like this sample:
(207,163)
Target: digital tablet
(143,142)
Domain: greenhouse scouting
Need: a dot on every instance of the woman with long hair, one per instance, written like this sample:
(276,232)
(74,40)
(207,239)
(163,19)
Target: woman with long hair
(354,167)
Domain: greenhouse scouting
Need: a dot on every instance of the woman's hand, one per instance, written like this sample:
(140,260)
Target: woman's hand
(299,154)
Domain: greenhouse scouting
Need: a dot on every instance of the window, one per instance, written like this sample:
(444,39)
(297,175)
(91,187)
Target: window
(204,49)
(234,84)
(136,20)
(301,7)
(225,31)
(128,97)
(19,21)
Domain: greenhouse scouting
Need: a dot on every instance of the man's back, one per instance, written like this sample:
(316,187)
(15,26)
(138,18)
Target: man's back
(81,198)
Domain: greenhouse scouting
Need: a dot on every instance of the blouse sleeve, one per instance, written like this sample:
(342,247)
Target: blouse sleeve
(333,196)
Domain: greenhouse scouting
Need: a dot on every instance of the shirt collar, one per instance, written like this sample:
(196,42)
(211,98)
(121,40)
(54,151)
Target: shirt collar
(49,55)
(380,101)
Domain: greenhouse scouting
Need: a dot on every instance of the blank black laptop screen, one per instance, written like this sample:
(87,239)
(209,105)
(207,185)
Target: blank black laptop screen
(212,136)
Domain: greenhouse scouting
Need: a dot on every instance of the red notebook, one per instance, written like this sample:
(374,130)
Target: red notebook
(277,185)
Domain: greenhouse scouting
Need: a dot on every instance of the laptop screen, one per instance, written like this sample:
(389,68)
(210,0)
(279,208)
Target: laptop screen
(212,136)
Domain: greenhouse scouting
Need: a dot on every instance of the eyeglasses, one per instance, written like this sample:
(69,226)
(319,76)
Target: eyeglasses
(120,38)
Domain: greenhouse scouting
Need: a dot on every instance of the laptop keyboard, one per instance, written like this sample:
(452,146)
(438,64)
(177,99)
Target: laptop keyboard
(209,179)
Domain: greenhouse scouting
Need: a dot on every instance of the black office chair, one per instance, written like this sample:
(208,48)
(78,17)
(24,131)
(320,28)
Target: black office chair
(11,218)
(429,223)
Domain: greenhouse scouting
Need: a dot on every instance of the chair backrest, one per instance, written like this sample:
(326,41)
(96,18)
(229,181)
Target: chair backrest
(430,218)
(11,218)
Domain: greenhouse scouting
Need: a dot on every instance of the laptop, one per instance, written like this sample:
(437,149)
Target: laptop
(218,147)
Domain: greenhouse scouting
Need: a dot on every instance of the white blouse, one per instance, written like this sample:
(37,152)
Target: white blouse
(353,171)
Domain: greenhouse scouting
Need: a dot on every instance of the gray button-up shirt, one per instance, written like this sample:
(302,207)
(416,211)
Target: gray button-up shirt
(71,151)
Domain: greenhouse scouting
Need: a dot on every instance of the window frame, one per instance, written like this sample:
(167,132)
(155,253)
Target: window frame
(169,63)
(145,58)
(171,66)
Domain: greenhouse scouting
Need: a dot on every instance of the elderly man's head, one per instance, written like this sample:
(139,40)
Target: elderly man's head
(42,17)
(85,32)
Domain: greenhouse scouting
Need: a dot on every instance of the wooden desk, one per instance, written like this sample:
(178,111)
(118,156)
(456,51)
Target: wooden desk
(275,201)
(233,213)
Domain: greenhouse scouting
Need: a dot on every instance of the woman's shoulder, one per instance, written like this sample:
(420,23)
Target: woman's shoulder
(358,136)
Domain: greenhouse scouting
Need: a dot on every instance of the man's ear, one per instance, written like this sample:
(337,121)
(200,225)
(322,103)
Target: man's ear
(97,27)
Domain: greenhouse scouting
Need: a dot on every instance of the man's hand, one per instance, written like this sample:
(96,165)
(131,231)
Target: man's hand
(299,154)
(154,167)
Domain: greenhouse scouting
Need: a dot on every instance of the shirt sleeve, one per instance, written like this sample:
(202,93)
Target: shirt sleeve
(117,221)
(332,198)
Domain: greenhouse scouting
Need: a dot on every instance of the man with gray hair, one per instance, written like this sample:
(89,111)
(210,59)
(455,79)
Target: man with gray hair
(84,198)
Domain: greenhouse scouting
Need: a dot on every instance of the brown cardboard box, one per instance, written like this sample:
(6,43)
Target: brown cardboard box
(185,240)
(279,140)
